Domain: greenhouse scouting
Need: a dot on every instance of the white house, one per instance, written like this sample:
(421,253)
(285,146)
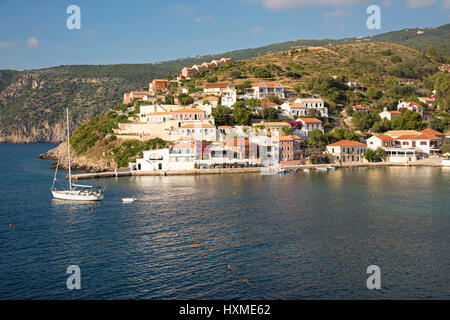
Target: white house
(228,97)
(409,105)
(199,132)
(262,90)
(298,108)
(153,160)
(216,88)
(212,101)
(380,141)
(389,115)
(423,142)
(154,114)
(307,125)
(179,157)
(314,103)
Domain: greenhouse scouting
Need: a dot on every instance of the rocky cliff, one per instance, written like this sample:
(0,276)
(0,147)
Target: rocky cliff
(84,163)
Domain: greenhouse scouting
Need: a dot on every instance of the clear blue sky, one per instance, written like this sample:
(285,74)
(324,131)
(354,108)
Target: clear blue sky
(33,34)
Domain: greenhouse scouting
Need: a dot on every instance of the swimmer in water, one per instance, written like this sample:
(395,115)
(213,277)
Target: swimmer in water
(230,267)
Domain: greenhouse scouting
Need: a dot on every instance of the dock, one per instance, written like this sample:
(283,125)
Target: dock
(101,175)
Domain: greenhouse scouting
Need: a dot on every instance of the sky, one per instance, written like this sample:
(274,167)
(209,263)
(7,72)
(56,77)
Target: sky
(34,34)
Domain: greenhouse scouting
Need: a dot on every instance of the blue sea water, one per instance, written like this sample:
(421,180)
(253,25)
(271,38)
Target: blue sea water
(302,236)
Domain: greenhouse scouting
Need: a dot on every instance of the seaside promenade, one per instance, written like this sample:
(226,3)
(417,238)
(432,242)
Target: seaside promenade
(430,162)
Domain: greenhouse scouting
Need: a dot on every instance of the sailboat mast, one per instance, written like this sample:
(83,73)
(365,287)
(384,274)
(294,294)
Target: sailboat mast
(68,149)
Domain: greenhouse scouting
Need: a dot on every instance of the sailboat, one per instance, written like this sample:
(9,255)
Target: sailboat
(75,192)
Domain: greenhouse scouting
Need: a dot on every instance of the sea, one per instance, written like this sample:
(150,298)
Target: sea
(315,235)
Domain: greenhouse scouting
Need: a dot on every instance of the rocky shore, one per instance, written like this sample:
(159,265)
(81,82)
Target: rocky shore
(81,163)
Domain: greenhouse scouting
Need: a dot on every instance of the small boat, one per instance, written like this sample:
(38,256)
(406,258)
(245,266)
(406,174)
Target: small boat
(76,192)
(284,171)
(128,200)
(321,169)
(331,168)
(306,170)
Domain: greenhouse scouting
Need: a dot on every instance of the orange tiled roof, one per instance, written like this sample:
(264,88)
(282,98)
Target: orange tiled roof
(420,136)
(346,143)
(217,85)
(310,120)
(385,137)
(267,84)
(297,105)
(414,103)
(289,137)
(361,107)
(189,110)
(432,132)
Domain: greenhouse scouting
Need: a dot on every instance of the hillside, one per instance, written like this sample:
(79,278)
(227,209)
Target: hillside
(32,102)
(367,63)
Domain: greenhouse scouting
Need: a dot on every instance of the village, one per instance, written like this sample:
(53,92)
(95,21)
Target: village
(198,142)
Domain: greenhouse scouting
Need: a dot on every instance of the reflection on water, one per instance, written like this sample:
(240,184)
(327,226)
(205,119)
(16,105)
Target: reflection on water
(293,237)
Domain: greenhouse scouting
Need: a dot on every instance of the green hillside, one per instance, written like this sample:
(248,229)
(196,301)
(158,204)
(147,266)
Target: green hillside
(32,101)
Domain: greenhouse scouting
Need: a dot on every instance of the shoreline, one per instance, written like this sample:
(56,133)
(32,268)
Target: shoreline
(129,173)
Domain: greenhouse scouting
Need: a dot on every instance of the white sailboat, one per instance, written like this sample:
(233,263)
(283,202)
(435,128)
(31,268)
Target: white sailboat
(75,192)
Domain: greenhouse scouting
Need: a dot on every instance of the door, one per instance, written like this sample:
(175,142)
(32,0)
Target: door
(413,144)
(160,166)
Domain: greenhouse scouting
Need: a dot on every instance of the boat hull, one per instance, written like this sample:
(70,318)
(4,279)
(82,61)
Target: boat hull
(75,195)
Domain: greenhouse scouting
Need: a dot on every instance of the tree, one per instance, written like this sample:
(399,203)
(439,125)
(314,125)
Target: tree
(211,79)
(313,113)
(317,139)
(241,115)
(381,126)
(261,72)
(439,123)
(274,99)
(184,99)
(431,51)
(269,113)
(221,115)
(252,103)
(374,93)
(338,134)
(445,148)
(364,121)
(409,120)
(169,99)
(380,154)
(240,88)
(286,130)
(369,155)
(236,73)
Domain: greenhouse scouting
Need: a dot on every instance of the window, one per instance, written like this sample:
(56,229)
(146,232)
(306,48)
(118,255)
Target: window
(423,143)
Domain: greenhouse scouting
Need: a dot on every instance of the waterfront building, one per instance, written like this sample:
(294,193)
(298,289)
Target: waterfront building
(347,151)
(425,143)
(289,149)
(380,141)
